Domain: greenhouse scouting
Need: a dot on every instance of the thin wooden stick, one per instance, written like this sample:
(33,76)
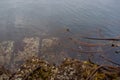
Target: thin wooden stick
(92,74)
(110,39)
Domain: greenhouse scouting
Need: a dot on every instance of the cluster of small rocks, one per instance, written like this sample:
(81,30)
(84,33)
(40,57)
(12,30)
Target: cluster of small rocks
(69,69)
(33,68)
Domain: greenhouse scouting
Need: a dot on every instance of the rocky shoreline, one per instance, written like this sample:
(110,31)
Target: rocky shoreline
(34,58)
(70,69)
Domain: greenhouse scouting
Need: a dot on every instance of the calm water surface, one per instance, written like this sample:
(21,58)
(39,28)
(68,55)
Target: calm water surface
(19,18)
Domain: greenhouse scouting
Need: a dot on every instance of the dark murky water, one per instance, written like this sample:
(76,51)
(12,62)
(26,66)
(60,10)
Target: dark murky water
(20,18)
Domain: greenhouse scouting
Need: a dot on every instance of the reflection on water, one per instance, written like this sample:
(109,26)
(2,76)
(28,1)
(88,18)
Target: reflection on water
(48,21)
(79,15)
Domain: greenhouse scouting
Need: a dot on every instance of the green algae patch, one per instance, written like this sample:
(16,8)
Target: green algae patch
(69,69)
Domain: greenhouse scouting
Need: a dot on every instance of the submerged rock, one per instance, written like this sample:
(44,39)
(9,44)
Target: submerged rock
(49,48)
(52,50)
(38,69)
(6,50)
(30,49)
(49,43)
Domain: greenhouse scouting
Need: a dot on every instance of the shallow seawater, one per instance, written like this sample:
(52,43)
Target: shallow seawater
(57,26)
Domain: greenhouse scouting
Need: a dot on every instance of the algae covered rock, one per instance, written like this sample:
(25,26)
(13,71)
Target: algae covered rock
(72,69)
(34,69)
(69,69)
